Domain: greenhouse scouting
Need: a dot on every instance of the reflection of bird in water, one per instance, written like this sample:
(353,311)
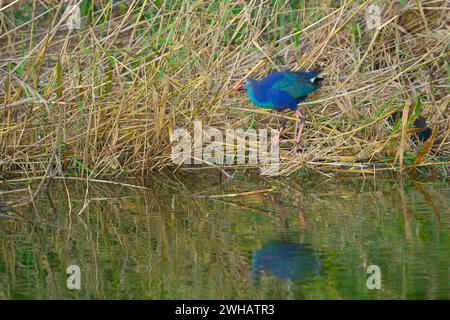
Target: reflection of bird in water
(286,260)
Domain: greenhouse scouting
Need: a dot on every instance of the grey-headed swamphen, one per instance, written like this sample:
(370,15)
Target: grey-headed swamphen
(280,91)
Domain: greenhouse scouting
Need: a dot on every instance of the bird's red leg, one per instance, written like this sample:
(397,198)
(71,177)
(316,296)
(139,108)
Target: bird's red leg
(282,126)
(300,131)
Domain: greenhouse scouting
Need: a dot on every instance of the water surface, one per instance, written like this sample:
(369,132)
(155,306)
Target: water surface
(195,237)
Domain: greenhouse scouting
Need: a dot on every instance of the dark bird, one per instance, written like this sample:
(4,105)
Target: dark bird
(423,132)
(286,260)
(280,91)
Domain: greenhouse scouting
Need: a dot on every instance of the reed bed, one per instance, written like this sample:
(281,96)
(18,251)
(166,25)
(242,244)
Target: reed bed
(104,98)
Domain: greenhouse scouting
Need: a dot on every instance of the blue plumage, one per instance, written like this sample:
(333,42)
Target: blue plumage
(281,90)
(287,261)
(420,123)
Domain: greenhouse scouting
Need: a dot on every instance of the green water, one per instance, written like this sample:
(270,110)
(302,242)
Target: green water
(308,238)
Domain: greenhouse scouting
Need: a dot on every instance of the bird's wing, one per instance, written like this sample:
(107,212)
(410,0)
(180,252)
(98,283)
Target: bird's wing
(282,100)
(294,84)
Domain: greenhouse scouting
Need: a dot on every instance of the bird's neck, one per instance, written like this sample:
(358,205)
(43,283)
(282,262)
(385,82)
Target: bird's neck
(254,93)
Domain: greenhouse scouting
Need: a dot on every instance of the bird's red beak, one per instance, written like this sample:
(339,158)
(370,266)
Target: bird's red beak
(239,86)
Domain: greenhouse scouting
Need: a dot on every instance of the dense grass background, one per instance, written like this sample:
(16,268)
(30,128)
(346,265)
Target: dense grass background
(104,98)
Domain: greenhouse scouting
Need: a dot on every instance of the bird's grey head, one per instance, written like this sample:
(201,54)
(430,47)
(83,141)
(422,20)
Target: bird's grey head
(245,84)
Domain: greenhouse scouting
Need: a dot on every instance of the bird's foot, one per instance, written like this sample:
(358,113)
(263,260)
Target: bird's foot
(297,149)
(283,138)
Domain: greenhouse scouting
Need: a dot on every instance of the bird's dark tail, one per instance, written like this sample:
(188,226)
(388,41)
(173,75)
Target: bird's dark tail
(312,75)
